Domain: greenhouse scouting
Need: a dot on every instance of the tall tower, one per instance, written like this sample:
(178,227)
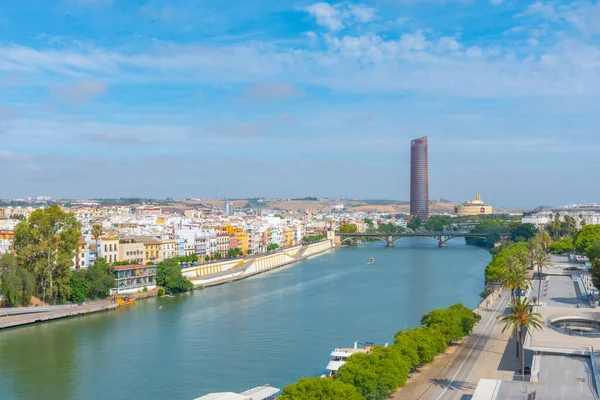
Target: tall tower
(419,178)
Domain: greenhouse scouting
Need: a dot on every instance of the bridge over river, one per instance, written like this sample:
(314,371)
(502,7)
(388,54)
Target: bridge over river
(390,238)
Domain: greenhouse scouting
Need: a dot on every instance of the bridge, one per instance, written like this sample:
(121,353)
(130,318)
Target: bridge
(390,238)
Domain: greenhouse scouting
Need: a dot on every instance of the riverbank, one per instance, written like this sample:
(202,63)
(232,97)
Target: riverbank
(218,273)
(45,316)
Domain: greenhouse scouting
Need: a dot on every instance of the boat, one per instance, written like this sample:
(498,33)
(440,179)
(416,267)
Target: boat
(127,301)
(265,392)
(168,296)
(371,261)
(340,356)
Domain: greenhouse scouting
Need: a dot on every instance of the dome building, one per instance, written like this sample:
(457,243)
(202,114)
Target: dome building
(473,207)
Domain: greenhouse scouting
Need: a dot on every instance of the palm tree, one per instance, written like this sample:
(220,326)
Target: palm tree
(544,239)
(542,261)
(515,279)
(519,317)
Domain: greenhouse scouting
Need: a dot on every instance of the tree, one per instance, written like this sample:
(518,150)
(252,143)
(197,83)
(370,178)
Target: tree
(377,374)
(272,246)
(595,273)
(100,279)
(525,231)
(542,261)
(18,217)
(521,317)
(79,286)
(17,283)
(348,228)
(593,250)
(561,246)
(96,232)
(207,258)
(515,279)
(544,239)
(454,322)
(585,239)
(46,244)
(437,223)
(249,252)
(414,223)
(168,275)
(319,389)
(369,222)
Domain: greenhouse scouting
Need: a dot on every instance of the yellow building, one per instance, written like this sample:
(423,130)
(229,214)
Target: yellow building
(169,249)
(109,249)
(288,238)
(240,235)
(473,207)
(152,250)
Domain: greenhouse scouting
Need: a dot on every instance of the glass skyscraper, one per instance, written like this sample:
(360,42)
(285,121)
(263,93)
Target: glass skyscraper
(419,178)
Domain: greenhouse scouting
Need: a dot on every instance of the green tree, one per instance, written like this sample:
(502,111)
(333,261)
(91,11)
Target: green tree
(46,244)
(415,223)
(100,279)
(79,286)
(595,273)
(168,275)
(593,250)
(319,389)
(369,222)
(541,260)
(585,239)
(207,258)
(96,232)
(17,283)
(518,318)
(490,226)
(561,246)
(454,322)
(514,279)
(18,217)
(437,223)
(348,228)
(525,231)
(377,374)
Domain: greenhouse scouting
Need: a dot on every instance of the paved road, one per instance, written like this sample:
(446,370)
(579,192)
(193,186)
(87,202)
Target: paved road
(457,380)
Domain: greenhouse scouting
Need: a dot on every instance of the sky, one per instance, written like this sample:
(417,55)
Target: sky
(294,98)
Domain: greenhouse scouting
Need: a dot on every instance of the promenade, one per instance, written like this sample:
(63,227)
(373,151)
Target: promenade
(487,352)
(32,318)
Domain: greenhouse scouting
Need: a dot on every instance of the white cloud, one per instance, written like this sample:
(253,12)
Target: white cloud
(310,35)
(545,10)
(272,91)
(362,13)
(79,92)
(326,15)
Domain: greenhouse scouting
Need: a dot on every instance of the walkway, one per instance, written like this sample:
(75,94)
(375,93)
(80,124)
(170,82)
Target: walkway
(486,347)
(26,319)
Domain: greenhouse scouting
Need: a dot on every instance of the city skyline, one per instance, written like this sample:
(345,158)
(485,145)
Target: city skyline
(103,98)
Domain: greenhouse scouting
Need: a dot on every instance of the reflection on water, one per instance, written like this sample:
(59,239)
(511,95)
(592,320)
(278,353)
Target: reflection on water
(272,328)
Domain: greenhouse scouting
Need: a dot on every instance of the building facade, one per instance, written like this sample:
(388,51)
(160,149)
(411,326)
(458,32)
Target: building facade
(131,251)
(134,278)
(109,249)
(473,207)
(419,179)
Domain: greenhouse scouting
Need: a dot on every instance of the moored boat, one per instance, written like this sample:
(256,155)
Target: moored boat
(340,356)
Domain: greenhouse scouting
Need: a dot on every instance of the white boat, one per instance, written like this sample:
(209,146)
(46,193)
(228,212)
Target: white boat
(340,356)
(265,392)
(371,261)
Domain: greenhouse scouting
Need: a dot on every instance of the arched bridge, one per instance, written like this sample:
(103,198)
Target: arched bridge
(440,237)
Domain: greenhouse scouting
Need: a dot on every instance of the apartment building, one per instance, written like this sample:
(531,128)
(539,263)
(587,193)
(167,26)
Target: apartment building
(108,248)
(131,250)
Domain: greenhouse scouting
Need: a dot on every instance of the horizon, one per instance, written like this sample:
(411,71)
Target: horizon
(149,99)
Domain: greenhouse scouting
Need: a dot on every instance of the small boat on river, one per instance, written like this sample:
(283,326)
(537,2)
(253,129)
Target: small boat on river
(340,356)
(127,301)
(371,261)
(265,392)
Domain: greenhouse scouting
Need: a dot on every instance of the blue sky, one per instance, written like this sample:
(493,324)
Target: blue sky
(246,98)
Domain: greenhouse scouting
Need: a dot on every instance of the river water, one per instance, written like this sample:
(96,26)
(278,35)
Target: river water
(273,328)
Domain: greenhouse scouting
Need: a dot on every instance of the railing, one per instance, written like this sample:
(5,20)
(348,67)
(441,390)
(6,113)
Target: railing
(594,360)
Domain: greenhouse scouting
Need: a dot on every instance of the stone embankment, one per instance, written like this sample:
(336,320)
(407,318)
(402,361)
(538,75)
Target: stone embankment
(218,273)
(73,310)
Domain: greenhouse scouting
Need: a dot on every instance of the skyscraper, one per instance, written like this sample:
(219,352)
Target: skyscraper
(419,178)
(228,208)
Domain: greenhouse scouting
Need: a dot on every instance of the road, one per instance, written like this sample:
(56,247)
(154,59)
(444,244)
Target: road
(457,380)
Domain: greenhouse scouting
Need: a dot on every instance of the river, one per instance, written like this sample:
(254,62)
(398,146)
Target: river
(272,328)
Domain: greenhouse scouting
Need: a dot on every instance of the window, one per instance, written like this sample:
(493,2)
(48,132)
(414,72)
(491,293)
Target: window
(105,248)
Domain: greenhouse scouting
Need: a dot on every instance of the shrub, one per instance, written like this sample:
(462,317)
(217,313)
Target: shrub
(161,291)
(145,289)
